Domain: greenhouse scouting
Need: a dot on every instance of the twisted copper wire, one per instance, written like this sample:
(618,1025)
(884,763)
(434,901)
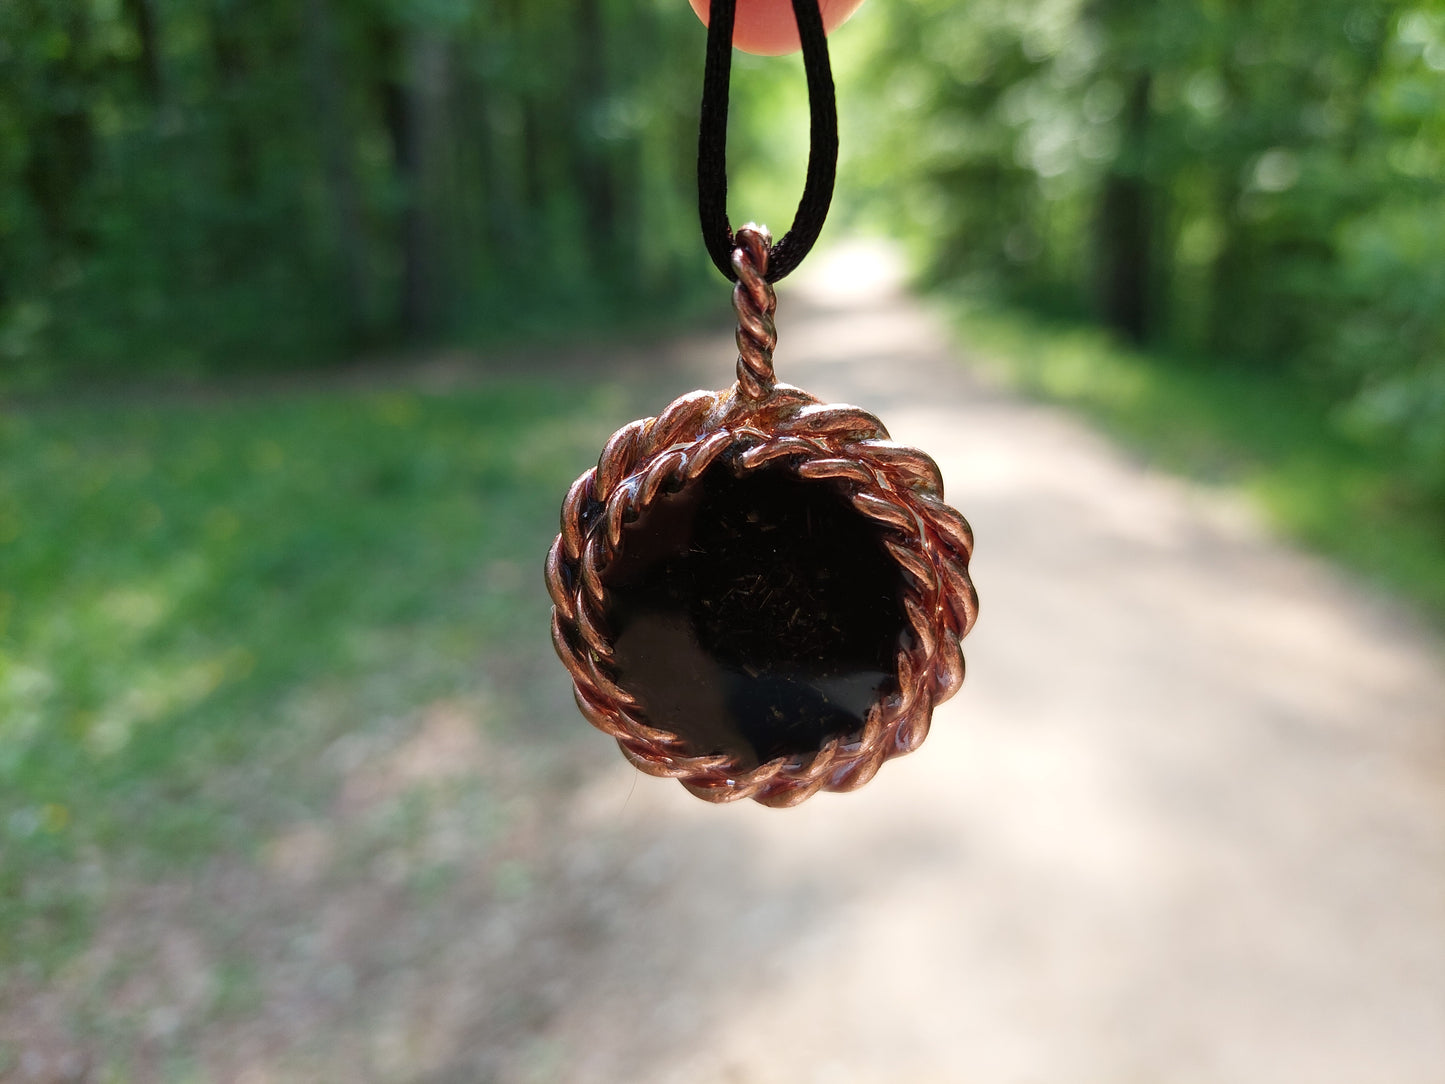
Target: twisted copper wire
(756,423)
(895,486)
(755,302)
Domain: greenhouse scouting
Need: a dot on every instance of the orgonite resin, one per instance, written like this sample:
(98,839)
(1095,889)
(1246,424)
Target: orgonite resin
(755,616)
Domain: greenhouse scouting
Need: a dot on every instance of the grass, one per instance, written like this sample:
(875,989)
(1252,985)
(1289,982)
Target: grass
(1259,430)
(196,599)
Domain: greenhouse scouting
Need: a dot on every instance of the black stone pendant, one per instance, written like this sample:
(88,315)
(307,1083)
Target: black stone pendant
(756,593)
(757,616)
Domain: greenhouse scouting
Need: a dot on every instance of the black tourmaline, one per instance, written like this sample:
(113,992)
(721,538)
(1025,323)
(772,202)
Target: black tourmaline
(755,616)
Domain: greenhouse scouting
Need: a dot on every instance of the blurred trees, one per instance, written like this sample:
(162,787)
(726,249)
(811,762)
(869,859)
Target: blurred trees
(191,182)
(188,183)
(1253,179)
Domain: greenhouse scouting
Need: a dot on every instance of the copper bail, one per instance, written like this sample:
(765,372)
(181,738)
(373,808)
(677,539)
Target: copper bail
(755,303)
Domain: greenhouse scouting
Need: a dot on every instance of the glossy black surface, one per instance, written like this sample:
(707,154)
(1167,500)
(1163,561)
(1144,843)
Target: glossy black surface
(755,616)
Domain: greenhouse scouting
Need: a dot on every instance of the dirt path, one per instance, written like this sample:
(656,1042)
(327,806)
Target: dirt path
(1184,823)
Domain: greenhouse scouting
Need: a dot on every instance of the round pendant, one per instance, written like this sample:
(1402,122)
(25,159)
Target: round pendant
(756,593)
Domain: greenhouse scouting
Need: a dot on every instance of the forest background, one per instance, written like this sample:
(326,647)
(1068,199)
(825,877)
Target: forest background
(202,188)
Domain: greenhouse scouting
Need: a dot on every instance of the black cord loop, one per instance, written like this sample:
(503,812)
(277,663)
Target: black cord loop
(712,175)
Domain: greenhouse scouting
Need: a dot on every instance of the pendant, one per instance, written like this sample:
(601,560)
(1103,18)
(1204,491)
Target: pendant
(756,593)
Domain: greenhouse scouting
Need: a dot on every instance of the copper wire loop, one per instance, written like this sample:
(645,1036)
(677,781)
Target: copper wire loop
(758,422)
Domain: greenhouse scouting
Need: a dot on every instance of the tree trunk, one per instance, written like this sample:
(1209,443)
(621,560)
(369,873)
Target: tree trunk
(594,175)
(143,17)
(412,89)
(344,190)
(233,75)
(1125,238)
(423,133)
(62,144)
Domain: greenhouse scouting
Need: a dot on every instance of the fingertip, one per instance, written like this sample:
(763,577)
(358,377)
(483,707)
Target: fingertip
(769,28)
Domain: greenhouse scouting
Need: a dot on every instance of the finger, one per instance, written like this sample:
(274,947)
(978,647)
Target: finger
(768,27)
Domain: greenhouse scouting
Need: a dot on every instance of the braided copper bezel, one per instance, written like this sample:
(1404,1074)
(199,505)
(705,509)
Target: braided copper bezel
(897,487)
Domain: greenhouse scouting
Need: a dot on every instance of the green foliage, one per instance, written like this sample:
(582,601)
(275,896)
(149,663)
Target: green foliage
(193,186)
(197,597)
(1260,181)
(1236,427)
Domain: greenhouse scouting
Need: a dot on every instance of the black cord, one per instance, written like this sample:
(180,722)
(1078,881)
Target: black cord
(712,141)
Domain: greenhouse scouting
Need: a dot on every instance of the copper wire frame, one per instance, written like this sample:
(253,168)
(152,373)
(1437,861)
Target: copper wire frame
(755,423)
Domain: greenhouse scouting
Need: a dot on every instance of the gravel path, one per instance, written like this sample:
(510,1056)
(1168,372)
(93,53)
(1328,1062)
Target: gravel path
(1185,821)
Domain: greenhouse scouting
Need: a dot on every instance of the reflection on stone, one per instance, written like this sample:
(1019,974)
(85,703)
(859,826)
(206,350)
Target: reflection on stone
(755,616)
